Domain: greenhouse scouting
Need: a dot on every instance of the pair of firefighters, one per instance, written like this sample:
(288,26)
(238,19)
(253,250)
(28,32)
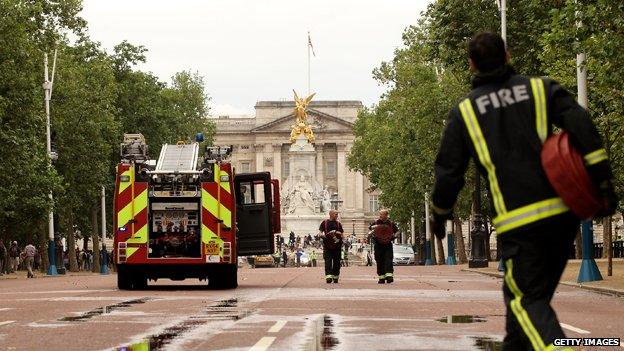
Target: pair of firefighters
(331,232)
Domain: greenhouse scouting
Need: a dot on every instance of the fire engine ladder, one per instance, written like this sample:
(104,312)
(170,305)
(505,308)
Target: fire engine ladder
(181,158)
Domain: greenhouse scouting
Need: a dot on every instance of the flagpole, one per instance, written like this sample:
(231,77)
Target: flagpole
(308,63)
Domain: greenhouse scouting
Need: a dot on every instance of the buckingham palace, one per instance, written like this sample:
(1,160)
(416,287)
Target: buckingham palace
(261,143)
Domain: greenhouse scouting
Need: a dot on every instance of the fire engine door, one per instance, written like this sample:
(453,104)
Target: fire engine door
(254,214)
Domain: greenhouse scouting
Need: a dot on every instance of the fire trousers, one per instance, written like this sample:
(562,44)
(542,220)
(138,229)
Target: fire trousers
(534,261)
(384,256)
(332,262)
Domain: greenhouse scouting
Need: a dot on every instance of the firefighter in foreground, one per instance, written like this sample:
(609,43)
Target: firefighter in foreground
(331,232)
(502,124)
(383,232)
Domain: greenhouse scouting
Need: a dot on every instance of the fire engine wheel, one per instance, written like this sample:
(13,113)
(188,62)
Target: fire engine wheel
(223,277)
(123,280)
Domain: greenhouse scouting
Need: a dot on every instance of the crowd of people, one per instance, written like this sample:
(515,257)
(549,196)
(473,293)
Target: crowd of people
(29,258)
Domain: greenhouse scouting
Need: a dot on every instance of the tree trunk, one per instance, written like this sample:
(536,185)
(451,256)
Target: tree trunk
(71,244)
(432,246)
(488,233)
(96,241)
(43,247)
(460,247)
(578,245)
(441,259)
(606,247)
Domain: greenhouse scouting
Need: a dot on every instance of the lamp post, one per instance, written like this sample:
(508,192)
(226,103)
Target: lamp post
(47,89)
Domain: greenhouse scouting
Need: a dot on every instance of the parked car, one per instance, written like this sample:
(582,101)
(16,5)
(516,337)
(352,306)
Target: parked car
(403,255)
(264,261)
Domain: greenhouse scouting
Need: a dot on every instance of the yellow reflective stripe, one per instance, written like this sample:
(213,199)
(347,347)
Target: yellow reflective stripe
(140,202)
(521,314)
(594,157)
(130,251)
(552,347)
(208,234)
(529,214)
(124,185)
(209,202)
(470,119)
(140,237)
(541,122)
(226,216)
(441,211)
(225,185)
(124,215)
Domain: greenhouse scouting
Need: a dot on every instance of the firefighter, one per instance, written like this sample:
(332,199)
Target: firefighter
(502,124)
(383,248)
(331,232)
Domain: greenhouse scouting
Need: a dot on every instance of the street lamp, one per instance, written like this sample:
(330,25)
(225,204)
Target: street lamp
(478,235)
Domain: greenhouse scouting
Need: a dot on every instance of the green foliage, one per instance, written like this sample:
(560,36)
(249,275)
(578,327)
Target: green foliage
(97,97)
(397,139)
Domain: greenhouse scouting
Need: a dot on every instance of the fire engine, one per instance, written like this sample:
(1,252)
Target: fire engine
(188,215)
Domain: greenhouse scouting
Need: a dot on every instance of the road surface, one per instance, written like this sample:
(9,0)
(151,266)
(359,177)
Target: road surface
(426,308)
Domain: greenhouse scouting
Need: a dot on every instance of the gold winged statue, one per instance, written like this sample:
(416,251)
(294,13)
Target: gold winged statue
(301,125)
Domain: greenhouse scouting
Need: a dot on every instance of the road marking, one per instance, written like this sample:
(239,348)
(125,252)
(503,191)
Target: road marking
(6,322)
(263,344)
(6,309)
(277,327)
(574,329)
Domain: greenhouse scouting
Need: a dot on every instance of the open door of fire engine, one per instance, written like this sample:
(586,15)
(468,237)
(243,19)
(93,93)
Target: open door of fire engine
(254,213)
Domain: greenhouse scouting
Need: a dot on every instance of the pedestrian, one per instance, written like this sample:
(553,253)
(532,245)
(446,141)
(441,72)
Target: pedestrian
(14,253)
(383,232)
(284,257)
(369,258)
(502,124)
(313,258)
(298,255)
(29,253)
(3,253)
(331,233)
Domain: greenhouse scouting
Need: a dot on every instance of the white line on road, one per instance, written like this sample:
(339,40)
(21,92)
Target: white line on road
(277,327)
(6,309)
(6,322)
(574,329)
(263,344)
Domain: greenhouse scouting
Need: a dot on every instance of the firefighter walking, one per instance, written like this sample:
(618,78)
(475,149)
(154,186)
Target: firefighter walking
(331,232)
(383,232)
(502,124)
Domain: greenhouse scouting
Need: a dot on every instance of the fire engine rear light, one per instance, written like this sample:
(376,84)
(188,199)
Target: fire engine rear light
(122,245)
(122,252)
(227,251)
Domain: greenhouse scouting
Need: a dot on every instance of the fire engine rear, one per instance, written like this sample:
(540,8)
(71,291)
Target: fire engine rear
(188,216)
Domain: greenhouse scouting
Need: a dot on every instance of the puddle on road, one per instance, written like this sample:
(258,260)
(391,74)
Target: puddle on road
(221,310)
(461,319)
(103,310)
(488,344)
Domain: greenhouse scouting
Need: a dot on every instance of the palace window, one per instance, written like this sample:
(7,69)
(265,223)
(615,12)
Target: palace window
(373,203)
(330,169)
(245,167)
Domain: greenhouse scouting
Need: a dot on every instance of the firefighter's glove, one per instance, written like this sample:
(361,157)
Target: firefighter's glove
(437,225)
(609,198)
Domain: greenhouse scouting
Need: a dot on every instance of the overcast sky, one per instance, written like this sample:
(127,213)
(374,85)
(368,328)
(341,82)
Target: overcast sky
(257,50)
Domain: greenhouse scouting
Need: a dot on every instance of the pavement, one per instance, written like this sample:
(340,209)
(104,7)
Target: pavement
(426,308)
(613,284)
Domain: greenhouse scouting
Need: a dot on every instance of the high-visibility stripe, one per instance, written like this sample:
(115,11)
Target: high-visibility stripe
(552,347)
(209,202)
(124,215)
(541,116)
(529,213)
(470,119)
(389,275)
(130,251)
(521,314)
(225,185)
(124,185)
(441,211)
(594,157)
(382,276)
(140,237)
(329,276)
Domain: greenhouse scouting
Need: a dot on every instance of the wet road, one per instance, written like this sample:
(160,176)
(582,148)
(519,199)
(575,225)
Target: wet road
(426,308)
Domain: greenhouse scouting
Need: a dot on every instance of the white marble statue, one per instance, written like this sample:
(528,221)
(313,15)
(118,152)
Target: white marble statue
(325,200)
(300,197)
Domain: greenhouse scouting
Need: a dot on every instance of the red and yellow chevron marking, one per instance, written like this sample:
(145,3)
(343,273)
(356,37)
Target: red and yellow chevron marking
(217,212)
(131,206)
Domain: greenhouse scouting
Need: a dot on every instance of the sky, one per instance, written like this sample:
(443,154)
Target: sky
(249,51)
